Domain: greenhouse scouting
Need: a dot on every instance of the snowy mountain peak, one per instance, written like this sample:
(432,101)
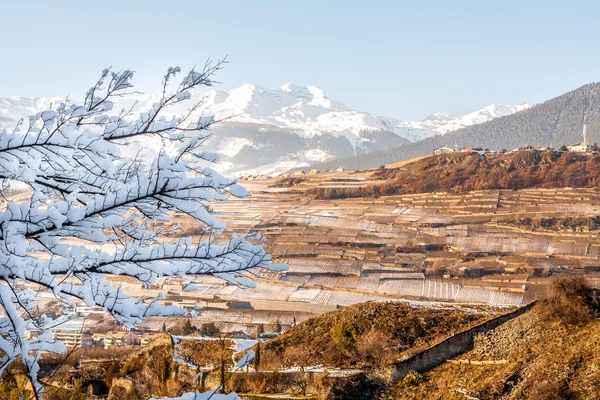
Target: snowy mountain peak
(294,89)
(440,116)
(295,125)
(442,122)
(303,91)
(305,109)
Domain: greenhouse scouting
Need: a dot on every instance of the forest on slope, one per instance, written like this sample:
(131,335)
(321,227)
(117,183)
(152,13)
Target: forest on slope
(466,171)
(556,122)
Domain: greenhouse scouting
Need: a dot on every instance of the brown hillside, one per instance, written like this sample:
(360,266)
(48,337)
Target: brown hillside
(367,334)
(468,171)
(550,352)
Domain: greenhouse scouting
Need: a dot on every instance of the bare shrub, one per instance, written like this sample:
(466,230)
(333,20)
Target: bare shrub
(539,272)
(435,270)
(413,378)
(545,390)
(374,348)
(288,181)
(570,301)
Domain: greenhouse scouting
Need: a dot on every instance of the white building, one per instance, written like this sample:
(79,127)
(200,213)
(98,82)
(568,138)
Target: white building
(443,150)
(580,147)
(86,310)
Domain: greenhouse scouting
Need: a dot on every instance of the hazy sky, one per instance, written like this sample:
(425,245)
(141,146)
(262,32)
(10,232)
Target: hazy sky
(405,59)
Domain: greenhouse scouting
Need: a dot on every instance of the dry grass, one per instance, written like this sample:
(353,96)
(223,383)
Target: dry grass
(364,329)
(547,359)
(570,301)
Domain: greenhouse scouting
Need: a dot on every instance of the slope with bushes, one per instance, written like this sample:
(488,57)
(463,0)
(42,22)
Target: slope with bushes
(366,335)
(467,171)
(550,352)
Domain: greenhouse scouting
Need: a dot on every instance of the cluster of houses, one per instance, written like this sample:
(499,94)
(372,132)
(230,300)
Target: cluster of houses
(578,148)
(456,149)
(78,327)
(78,338)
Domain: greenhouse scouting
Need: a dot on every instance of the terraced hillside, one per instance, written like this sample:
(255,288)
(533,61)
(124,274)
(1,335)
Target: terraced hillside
(434,246)
(493,247)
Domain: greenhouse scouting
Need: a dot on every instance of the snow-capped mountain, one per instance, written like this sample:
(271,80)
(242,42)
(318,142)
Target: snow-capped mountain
(272,130)
(441,123)
(12,109)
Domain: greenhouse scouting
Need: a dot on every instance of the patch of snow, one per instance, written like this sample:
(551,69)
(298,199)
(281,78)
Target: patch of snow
(317,155)
(273,169)
(231,146)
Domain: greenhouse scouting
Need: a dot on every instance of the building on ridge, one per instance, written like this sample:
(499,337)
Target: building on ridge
(443,150)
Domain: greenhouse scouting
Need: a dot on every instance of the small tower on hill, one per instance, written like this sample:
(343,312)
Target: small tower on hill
(585,138)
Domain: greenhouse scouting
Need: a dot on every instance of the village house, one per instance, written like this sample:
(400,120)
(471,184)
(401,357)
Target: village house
(443,150)
(118,338)
(173,285)
(146,338)
(188,304)
(71,338)
(241,331)
(241,335)
(83,310)
(580,148)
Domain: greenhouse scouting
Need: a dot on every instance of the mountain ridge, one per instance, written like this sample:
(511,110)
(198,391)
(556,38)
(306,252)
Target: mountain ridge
(555,122)
(286,127)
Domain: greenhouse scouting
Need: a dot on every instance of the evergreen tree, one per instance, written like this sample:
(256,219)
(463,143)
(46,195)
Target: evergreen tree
(222,373)
(257,357)
(188,328)
(209,329)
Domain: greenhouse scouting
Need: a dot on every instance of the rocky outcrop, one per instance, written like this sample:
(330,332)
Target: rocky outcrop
(151,371)
(156,372)
(123,388)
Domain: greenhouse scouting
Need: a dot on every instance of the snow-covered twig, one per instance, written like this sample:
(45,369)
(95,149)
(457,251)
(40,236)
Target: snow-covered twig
(94,212)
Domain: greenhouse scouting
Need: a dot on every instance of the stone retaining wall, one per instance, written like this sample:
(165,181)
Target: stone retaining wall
(448,348)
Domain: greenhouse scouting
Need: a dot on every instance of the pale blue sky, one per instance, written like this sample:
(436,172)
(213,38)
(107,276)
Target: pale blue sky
(396,58)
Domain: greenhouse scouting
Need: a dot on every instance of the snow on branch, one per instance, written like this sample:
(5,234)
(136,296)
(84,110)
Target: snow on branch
(94,211)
